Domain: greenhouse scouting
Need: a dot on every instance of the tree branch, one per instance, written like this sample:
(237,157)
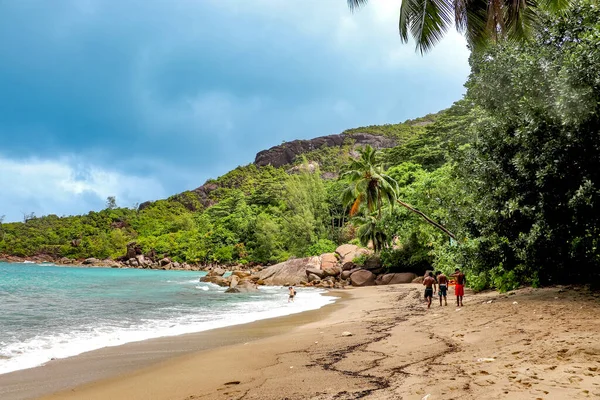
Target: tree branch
(426,218)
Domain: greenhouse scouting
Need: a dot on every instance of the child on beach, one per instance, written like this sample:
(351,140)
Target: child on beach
(292,294)
(429,283)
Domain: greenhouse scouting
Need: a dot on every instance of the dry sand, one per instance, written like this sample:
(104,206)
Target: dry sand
(529,344)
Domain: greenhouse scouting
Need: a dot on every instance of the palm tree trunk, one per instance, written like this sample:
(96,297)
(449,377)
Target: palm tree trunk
(426,218)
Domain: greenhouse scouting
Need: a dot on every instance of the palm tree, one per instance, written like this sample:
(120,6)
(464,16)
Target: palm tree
(369,232)
(370,185)
(480,20)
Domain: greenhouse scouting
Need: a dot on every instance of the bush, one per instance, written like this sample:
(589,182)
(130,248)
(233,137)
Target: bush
(413,256)
(321,247)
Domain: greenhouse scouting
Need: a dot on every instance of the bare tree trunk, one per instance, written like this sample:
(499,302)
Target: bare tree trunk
(426,218)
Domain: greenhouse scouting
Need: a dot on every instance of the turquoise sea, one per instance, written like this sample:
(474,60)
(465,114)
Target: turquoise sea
(47,311)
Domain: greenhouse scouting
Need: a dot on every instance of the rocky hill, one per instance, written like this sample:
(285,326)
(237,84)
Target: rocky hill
(288,152)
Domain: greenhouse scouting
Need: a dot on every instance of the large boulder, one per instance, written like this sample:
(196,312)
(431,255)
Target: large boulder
(348,266)
(392,279)
(290,272)
(217,280)
(245,286)
(328,260)
(217,272)
(165,261)
(346,274)
(242,274)
(313,278)
(332,271)
(315,271)
(348,252)
(373,262)
(362,277)
(234,281)
(142,260)
(91,261)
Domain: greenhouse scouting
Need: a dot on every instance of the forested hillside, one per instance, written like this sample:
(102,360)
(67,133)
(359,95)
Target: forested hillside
(512,169)
(251,214)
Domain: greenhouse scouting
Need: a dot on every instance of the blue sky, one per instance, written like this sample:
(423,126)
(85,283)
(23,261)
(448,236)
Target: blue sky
(143,99)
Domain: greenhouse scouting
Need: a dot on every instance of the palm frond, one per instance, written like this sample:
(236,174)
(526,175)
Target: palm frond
(474,17)
(427,20)
(354,5)
(555,6)
(356,205)
(521,17)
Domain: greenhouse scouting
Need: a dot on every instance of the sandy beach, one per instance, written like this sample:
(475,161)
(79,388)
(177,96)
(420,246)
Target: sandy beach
(527,344)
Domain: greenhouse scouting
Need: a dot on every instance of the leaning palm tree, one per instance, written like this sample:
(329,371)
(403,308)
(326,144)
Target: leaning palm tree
(479,20)
(369,185)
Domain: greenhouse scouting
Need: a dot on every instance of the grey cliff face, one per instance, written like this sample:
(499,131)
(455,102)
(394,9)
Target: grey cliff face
(286,153)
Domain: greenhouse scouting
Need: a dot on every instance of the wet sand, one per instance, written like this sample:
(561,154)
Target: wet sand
(529,344)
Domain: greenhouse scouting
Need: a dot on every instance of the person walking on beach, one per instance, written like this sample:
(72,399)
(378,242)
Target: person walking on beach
(442,286)
(459,288)
(429,283)
(292,294)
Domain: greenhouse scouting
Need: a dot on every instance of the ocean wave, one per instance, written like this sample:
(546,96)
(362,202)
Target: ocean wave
(17,355)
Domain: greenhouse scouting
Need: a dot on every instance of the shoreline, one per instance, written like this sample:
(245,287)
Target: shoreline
(522,345)
(525,344)
(108,362)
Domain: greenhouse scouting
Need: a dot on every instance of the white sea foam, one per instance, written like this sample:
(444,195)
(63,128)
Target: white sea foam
(43,348)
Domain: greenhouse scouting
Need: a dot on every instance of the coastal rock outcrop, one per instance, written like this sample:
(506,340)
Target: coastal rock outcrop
(393,279)
(362,277)
(287,153)
(348,252)
(241,286)
(328,260)
(217,280)
(291,272)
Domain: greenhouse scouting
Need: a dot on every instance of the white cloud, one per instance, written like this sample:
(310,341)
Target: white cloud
(67,186)
(369,35)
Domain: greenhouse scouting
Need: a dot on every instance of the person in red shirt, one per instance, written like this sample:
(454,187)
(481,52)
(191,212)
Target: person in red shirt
(459,288)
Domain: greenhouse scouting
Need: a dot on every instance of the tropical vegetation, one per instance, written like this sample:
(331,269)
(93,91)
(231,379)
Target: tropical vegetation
(511,172)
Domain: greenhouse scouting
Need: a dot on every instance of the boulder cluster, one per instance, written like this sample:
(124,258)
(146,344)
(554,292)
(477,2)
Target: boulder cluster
(238,282)
(332,270)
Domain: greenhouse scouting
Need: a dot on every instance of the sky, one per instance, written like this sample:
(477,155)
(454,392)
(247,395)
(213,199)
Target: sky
(142,99)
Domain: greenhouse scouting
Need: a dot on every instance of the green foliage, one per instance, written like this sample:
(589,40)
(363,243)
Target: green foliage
(413,256)
(368,185)
(360,260)
(401,132)
(322,246)
(534,169)
(434,144)
(370,232)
